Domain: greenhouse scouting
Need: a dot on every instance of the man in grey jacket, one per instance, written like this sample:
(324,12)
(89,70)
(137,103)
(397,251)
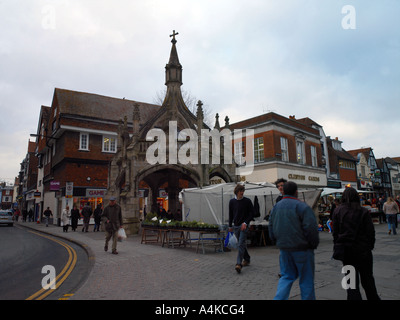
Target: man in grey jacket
(112,220)
(292,224)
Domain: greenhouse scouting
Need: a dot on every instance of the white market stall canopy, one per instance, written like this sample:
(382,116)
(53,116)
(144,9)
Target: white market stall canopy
(328,191)
(211,204)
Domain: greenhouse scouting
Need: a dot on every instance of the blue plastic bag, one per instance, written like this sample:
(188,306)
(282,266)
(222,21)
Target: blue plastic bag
(231,241)
(227,239)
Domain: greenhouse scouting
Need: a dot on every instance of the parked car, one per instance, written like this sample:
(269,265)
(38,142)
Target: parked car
(6,217)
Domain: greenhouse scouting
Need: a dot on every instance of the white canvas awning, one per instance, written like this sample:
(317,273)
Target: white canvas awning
(328,191)
(211,204)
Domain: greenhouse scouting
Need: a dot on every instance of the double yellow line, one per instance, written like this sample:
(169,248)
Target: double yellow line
(62,276)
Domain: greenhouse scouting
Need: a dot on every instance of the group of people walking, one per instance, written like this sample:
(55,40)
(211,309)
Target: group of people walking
(71,217)
(294,229)
(112,219)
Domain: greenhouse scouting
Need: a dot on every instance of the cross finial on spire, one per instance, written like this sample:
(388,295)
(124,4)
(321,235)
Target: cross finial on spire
(173,36)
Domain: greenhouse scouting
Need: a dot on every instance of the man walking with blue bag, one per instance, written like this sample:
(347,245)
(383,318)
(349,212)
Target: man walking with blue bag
(241,212)
(293,225)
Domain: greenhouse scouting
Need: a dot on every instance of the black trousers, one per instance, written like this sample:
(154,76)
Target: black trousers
(363,264)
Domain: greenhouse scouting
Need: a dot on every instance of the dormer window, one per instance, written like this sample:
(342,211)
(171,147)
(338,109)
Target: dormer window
(337,145)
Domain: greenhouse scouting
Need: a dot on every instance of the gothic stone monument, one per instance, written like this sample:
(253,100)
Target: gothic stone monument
(138,161)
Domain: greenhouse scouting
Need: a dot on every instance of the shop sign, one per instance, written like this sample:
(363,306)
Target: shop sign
(69,189)
(162,193)
(7,199)
(95,193)
(302,177)
(54,185)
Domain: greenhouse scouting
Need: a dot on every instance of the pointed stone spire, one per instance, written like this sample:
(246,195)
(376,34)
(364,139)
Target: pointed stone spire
(226,122)
(200,113)
(200,117)
(217,126)
(136,119)
(173,70)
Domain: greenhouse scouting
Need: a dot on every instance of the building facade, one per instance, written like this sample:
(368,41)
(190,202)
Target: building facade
(343,171)
(368,174)
(394,170)
(75,141)
(6,196)
(28,180)
(283,148)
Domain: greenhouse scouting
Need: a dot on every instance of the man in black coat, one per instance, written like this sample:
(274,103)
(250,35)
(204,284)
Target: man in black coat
(241,212)
(354,238)
(86,213)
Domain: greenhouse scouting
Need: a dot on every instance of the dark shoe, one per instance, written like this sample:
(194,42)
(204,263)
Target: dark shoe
(114,252)
(238,268)
(245,263)
(105,248)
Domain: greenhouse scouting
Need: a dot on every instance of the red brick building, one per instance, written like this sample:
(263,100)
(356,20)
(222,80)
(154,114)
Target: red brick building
(342,164)
(76,139)
(283,148)
(6,197)
(28,178)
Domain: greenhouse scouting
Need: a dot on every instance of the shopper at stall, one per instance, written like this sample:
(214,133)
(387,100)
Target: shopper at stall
(279,184)
(241,212)
(398,203)
(390,208)
(112,220)
(381,202)
(293,226)
(354,238)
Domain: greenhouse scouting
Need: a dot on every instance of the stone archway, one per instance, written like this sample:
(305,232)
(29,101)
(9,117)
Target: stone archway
(173,177)
(222,173)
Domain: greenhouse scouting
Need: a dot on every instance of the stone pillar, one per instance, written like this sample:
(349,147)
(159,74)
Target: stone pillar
(130,213)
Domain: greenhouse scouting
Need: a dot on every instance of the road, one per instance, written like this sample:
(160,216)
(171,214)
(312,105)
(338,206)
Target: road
(29,258)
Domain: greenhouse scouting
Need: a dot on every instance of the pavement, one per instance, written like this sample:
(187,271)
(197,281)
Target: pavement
(152,272)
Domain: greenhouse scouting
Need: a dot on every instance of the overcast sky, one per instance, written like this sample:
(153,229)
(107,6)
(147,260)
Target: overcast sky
(336,64)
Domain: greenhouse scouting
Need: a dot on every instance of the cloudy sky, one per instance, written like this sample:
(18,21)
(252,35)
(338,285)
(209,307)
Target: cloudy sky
(336,64)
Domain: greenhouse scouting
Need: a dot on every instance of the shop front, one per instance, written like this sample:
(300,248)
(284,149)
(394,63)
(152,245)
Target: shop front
(304,176)
(80,196)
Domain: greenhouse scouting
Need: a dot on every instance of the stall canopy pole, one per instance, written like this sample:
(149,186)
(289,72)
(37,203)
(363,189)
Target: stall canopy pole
(222,204)
(265,205)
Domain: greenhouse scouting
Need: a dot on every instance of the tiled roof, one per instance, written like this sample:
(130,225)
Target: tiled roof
(100,107)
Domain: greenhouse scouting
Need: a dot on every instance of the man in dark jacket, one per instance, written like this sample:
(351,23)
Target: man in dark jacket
(86,213)
(112,219)
(293,225)
(354,238)
(241,212)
